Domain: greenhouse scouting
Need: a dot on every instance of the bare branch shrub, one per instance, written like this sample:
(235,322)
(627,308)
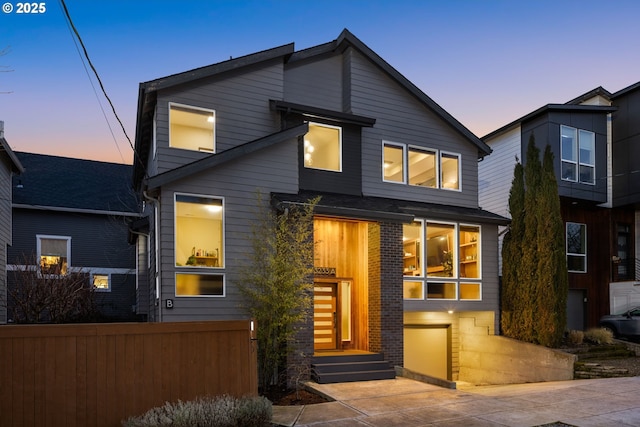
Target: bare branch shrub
(34,297)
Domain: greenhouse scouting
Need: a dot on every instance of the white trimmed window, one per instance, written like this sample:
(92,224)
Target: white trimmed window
(102,282)
(442,261)
(191,128)
(421,167)
(576,247)
(323,147)
(54,253)
(199,245)
(578,152)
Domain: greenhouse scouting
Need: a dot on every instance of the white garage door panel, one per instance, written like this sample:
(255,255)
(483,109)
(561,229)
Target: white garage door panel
(425,351)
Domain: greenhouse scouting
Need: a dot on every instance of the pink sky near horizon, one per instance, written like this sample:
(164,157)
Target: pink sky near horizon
(486,62)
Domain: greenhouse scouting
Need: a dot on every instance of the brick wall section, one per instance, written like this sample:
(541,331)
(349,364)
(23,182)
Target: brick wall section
(391,319)
(375,339)
(385,291)
(298,360)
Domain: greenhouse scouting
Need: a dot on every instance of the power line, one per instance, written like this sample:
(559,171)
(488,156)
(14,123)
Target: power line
(95,92)
(95,72)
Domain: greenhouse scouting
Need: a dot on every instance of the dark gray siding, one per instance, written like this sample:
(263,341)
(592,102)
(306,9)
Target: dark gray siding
(238,182)
(242,110)
(400,117)
(317,83)
(626,149)
(98,242)
(348,181)
(546,129)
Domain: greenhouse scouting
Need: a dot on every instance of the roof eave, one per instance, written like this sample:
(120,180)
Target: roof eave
(213,160)
(547,108)
(347,38)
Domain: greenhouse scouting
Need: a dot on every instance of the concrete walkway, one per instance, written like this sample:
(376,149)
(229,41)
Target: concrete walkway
(404,402)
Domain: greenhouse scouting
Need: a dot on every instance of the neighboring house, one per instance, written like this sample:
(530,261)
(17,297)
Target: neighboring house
(403,251)
(74,214)
(9,165)
(599,197)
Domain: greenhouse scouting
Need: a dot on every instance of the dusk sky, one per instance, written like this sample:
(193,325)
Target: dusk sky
(486,62)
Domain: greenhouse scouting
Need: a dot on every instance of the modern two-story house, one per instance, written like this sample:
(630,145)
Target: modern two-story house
(9,166)
(599,198)
(73,215)
(402,250)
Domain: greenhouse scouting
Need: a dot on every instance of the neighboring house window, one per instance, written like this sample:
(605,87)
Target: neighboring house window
(576,247)
(421,167)
(451,267)
(191,128)
(578,155)
(199,244)
(323,147)
(101,282)
(54,253)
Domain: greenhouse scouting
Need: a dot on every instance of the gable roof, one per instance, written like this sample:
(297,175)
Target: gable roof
(61,183)
(147,96)
(599,91)
(626,90)
(550,108)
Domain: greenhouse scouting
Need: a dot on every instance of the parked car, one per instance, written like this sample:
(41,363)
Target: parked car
(625,325)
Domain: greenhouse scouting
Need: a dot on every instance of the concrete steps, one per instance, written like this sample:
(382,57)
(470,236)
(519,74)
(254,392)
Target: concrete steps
(348,368)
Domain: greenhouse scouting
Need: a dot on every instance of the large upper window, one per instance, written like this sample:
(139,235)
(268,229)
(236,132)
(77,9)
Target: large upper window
(54,253)
(578,155)
(452,261)
(323,147)
(406,164)
(576,247)
(191,128)
(199,231)
(199,244)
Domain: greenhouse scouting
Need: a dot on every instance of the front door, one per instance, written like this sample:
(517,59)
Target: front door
(325,308)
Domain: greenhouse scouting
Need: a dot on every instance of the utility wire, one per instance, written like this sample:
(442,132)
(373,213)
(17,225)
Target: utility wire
(95,92)
(95,72)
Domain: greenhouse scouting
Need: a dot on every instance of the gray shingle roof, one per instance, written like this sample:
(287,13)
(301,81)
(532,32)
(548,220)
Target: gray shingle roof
(63,182)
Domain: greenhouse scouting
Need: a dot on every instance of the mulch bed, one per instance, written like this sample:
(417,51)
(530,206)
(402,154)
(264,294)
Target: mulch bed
(291,397)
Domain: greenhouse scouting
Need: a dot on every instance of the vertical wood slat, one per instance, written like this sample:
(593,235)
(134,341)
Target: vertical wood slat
(98,375)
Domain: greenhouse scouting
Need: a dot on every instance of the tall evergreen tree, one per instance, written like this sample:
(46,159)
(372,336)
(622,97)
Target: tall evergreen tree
(534,288)
(552,284)
(530,249)
(511,255)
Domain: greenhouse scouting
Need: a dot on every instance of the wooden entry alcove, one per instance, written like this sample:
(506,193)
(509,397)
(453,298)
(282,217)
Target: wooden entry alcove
(342,245)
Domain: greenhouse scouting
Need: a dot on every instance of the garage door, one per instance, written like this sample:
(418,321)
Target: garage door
(426,350)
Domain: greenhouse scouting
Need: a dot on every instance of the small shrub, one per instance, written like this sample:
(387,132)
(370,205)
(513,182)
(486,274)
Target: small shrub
(599,336)
(575,337)
(219,411)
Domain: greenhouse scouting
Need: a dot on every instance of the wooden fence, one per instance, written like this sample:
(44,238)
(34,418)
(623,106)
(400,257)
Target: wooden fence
(100,374)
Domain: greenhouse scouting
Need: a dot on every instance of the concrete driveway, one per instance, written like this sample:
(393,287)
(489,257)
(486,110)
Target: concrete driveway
(405,402)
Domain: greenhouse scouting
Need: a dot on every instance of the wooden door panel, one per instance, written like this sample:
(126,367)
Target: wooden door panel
(324,317)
